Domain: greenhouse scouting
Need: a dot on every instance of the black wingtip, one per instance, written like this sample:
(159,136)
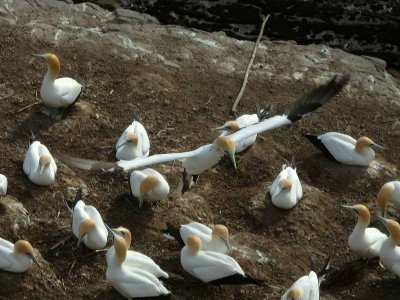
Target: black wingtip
(173,231)
(325,268)
(313,138)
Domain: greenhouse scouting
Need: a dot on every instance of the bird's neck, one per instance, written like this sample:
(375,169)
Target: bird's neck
(52,72)
(360,226)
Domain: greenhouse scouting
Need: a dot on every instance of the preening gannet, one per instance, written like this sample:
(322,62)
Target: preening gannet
(344,149)
(3,185)
(39,165)
(364,242)
(133,143)
(389,193)
(216,239)
(390,251)
(16,257)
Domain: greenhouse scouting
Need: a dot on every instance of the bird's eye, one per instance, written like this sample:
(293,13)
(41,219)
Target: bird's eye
(228,127)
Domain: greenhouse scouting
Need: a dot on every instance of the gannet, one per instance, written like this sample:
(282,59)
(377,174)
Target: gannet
(58,93)
(3,185)
(344,149)
(87,224)
(216,239)
(390,251)
(364,242)
(199,160)
(134,142)
(39,165)
(16,257)
(307,287)
(286,189)
(212,267)
(148,184)
(131,282)
(135,259)
(389,192)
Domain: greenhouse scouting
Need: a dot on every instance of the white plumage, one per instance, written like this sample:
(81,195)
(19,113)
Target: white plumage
(16,258)
(389,193)
(133,143)
(390,251)
(3,185)
(305,288)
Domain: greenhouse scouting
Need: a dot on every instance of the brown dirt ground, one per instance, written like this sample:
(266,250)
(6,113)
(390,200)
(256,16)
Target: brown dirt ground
(189,102)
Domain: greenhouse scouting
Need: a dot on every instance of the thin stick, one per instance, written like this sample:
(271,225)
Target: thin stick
(246,74)
(9,95)
(28,106)
(61,242)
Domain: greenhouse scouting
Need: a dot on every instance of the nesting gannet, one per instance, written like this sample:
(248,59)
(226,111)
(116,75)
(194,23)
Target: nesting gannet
(39,165)
(307,287)
(344,149)
(389,192)
(131,282)
(58,92)
(199,160)
(364,242)
(390,251)
(87,224)
(286,189)
(134,142)
(148,184)
(216,239)
(3,185)
(135,259)
(212,267)
(16,257)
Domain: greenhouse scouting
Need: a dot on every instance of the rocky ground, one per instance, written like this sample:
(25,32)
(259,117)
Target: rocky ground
(182,83)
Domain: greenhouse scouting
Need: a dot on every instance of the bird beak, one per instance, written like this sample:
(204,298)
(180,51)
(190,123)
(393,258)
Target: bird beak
(38,55)
(42,166)
(231,157)
(140,202)
(377,147)
(110,232)
(31,256)
(80,240)
(226,242)
(222,128)
(350,208)
(382,219)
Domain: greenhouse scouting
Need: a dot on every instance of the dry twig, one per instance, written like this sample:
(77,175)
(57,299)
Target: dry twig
(28,106)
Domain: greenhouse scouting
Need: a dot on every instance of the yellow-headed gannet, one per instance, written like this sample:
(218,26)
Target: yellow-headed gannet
(307,287)
(148,184)
(389,192)
(364,242)
(87,224)
(199,160)
(390,251)
(16,257)
(39,165)
(286,189)
(130,282)
(135,259)
(216,239)
(58,92)
(3,185)
(133,143)
(344,149)
(212,267)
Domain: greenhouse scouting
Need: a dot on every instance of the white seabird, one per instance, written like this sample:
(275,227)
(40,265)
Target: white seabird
(389,193)
(286,190)
(39,165)
(364,242)
(3,185)
(16,257)
(390,251)
(133,143)
(344,149)
(216,239)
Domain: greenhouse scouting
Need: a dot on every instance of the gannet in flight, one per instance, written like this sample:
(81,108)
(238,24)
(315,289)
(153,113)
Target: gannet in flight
(16,257)
(389,192)
(286,189)
(3,185)
(390,251)
(307,287)
(130,282)
(58,92)
(199,160)
(87,224)
(133,143)
(344,149)
(216,239)
(364,242)
(39,165)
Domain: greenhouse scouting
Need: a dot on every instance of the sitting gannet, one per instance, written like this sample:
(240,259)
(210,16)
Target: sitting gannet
(344,148)
(3,185)
(130,282)
(216,239)
(286,189)
(307,287)
(39,165)
(390,251)
(212,267)
(389,192)
(364,242)
(58,93)
(16,257)
(87,224)
(135,259)
(148,184)
(199,160)
(134,142)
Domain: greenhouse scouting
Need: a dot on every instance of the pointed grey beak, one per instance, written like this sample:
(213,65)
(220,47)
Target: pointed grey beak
(350,208)
(110,232)
(383,212)
(382,219)
(38,55)
(80,240)
(231,157)
(42,167)
(227,244)
(377,147)
(31,256)
(222,128)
